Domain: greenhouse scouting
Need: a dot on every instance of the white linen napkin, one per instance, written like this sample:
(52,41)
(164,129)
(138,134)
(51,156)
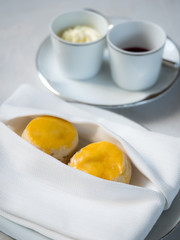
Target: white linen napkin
(51,198)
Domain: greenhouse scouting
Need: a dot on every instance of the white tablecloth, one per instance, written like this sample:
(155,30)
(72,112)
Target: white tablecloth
(24,25)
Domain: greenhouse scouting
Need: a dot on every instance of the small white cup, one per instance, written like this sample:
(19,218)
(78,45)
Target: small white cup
(130,69)
(79,60)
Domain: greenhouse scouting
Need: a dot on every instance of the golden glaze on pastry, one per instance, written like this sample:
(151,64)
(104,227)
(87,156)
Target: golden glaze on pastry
(104,160)
(54,136)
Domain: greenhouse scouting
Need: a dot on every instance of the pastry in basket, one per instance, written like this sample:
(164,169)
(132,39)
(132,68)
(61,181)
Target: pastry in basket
(54,136)
(104,160)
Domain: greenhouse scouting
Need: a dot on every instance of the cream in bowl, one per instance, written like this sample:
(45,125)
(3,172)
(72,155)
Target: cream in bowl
(79,40)
(80,34)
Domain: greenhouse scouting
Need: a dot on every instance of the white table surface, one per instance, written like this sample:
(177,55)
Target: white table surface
(25,24)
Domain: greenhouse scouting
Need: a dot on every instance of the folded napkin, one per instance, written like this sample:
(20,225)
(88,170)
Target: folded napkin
(42,194)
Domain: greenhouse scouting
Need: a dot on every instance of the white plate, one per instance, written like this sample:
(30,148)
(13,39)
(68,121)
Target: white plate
(100,90)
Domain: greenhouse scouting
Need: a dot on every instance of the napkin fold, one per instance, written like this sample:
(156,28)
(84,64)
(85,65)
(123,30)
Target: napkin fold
(42,194)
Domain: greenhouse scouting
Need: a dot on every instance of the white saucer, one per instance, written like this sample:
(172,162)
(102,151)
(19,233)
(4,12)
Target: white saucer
(100,90)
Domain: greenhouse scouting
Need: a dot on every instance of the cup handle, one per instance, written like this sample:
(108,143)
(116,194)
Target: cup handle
(170,63)
(95,11)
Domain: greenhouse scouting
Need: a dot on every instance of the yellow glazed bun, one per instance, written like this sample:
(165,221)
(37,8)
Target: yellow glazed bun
(52,135)
(104,160)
